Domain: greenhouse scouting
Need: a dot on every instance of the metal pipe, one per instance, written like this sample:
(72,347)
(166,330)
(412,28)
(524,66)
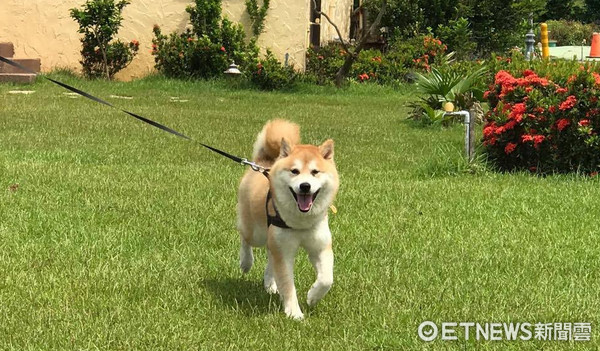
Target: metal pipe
(467,122)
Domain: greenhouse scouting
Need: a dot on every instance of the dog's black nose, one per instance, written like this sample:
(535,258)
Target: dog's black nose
(305,187)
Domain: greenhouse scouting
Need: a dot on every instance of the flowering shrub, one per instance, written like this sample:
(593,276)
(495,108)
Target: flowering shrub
(544,126)
(322,63)
(270,74)
(419,53)
(206,50)
(185,56)
(373,66)
(432,48)
(99,22)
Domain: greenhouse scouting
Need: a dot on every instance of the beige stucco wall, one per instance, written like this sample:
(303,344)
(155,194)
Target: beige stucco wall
(339,11)
(43,28)
(286,27)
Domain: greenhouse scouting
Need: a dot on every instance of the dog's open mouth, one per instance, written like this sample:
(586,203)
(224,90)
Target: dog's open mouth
(304,201)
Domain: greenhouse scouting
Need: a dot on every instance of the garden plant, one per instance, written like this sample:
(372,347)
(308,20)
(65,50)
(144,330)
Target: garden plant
(99,22)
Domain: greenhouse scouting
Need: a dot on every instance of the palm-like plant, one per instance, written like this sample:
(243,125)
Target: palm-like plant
(440,87)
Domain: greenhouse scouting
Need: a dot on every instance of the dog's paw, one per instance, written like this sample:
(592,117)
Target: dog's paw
(271,287)
(313,297)
(312,300)
(246,263)
(295,314)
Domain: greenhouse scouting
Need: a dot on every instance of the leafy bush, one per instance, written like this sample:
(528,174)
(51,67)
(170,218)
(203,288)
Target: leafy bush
(322,63)
(542,125)
(99,21)
(556,70)
(571,32)
(270,74)
(419,53)
(496,24)
(206,50)
(561,9)
(410,17)
(593,10)
(373,66)
(185,56)
(458,35)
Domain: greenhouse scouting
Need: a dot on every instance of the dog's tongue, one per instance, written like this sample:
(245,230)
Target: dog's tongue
(305,202)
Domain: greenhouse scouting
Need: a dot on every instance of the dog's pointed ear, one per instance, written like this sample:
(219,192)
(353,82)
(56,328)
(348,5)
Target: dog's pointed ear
(327,149)
(285,148)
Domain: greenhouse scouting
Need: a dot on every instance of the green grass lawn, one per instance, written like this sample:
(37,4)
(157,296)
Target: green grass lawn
(121,236)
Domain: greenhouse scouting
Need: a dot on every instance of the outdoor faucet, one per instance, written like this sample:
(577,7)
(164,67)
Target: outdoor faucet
(469,128)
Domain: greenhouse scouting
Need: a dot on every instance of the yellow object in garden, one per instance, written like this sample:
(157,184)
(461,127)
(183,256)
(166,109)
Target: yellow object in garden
(448,107)
(544,40)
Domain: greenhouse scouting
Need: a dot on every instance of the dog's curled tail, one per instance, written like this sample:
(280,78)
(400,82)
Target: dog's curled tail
(268,142)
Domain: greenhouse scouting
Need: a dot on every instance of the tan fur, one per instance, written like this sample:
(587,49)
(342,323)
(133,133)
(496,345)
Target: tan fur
(292,167)
(254,185)
(268,143)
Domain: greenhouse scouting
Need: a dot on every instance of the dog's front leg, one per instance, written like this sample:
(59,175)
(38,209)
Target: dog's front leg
(322,261)
(282,254)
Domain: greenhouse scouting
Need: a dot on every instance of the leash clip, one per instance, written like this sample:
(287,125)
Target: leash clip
(254,166)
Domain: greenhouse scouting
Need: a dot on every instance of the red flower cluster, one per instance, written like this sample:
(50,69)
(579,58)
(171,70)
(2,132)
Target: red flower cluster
(584,123)
(528,122)
(527,126)
(562,124)
(513,113)
(433,48)
(568,103)
(509,83)
(510,147)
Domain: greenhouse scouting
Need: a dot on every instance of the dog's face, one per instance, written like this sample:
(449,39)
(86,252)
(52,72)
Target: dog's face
(304,178)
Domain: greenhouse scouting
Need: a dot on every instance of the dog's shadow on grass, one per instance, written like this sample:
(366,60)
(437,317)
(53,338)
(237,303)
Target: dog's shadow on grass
(241,294)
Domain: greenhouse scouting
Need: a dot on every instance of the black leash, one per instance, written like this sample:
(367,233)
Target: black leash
(240,160)
(271,220)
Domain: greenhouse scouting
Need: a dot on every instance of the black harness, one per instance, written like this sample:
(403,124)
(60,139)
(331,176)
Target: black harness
(275,220)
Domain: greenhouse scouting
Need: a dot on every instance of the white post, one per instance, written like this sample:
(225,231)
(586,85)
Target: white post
(469,132)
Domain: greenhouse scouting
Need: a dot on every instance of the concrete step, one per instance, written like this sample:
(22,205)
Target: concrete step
(7,49)
(17,77)
(31,64)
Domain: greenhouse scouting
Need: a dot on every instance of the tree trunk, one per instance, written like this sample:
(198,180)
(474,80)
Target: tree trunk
(342,73)
(346,67)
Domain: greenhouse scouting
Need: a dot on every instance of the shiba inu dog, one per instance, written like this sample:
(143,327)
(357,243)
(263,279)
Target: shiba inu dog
(288,210)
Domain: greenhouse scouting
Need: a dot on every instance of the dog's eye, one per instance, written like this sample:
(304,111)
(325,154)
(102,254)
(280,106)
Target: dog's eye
(295,171)
(314,172)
